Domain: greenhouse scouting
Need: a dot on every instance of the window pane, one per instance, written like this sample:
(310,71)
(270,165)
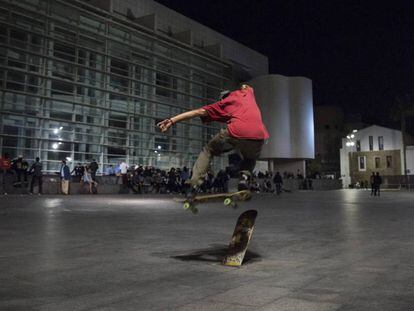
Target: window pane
(361,163)
(377,162)
(381,143)
(389,161)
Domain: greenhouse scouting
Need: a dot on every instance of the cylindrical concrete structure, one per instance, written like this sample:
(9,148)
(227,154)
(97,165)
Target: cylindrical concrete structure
(287,110)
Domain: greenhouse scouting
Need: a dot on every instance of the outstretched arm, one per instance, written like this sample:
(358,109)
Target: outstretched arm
(167,123)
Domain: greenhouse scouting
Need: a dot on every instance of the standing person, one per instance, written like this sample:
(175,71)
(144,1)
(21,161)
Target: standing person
(87,179)
(277,179)
(372,181)
(245,130)
(17,166)
(93,166)
(36,170)
(5,166)
(25,168)
(64,176)
(377,184)
(123,168)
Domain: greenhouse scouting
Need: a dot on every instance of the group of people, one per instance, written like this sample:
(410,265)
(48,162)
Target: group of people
(154,180)
(376,182)
(149,179)
(20,167)
(85,174)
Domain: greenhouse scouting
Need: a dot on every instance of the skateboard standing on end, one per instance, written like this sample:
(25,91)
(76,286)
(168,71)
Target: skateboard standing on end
(229,199)
(241,238)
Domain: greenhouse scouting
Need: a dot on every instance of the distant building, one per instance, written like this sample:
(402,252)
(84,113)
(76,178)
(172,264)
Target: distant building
(374,149)
(90,79)
(331,125)
(329,130)
(287,109)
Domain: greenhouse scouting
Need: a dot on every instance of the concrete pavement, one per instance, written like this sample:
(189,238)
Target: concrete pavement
(332,250)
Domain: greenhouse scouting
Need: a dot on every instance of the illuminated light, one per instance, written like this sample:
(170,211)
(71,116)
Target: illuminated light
(68,159)
(348,144)
(352,143)
(60,143)
(352,135)
(55,146)
(55,131)
(61,128)
(354,131)
(349,137)
(156,151)
(159,147)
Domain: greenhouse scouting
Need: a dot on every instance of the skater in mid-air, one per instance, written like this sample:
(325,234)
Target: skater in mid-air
(245,130)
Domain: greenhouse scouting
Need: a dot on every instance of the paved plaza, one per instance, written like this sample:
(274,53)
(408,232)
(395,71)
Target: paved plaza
(332,250)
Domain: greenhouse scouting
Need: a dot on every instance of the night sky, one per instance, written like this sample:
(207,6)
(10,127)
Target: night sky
(359,54)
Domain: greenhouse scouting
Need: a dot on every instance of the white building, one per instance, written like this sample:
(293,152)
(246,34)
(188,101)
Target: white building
(287,110)
(374,149)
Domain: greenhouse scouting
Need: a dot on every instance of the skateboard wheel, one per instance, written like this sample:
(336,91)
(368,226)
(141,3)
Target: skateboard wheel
(227,201)
(186,205)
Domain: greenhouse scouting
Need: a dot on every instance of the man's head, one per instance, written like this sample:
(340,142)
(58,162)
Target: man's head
(63,162)
(37,159)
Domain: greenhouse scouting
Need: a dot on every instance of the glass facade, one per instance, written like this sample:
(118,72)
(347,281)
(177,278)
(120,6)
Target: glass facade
(78,83)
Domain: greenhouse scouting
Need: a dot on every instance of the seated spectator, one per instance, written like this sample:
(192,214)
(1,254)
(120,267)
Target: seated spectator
(244,181)
(267,185)
(254,186)
(110,171)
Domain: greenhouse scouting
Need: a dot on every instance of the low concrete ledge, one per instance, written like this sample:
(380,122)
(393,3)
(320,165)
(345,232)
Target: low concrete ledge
(112,185)
(51,185)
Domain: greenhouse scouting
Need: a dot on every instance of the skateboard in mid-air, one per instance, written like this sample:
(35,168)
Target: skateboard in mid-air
(229,199)
(240,239)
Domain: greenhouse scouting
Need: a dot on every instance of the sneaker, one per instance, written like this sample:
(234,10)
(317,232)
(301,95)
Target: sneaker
(192,191)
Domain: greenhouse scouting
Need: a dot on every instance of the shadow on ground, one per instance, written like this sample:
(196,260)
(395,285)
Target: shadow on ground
(215,253)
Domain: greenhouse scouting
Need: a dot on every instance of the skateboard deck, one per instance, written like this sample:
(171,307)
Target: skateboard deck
(229,199)
(240,239)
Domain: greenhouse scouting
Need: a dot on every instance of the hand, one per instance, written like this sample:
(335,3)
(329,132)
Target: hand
(165,125)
